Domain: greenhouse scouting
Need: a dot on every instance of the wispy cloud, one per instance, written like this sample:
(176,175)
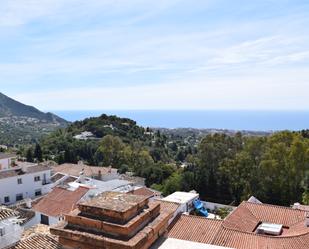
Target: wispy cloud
(192,51)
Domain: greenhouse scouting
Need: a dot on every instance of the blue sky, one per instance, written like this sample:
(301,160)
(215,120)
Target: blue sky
(163,54)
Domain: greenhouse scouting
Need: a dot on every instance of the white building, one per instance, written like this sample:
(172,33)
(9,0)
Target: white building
(171,243)
(6,161)
(24,181)
(10,229)
(85,135)
(68,192)
(185,201)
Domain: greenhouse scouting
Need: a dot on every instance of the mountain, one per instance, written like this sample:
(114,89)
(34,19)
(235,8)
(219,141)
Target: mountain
(12,108)
(20,123)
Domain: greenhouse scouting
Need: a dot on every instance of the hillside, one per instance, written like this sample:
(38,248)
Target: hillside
(21,124)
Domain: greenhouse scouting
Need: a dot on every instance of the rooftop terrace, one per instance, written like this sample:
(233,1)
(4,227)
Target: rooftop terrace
(115,220)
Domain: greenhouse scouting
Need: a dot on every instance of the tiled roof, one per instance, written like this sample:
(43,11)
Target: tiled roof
(192,228)
(6,213)
(37,241)
(168,206)
(60,201)
(238,229)
(23,214)
(145,191)
(75,169)
(275,214)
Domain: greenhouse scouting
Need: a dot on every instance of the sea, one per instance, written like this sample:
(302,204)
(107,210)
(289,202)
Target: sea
(204,119)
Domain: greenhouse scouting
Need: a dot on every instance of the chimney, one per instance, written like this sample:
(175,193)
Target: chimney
(307,219)
(28,203)
(24,167)
(81,178)
(296,205)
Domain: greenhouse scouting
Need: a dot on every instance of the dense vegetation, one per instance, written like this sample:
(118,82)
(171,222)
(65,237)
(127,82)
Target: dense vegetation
(223,168)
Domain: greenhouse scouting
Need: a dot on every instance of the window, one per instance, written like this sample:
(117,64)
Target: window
(37,178)
(19,197)
(6,199)
(44,219)
(38,192)
(19,181)
(2,231)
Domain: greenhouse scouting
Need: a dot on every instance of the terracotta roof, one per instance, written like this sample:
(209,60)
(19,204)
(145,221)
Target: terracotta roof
(25,214)
(168,206)
(275,214)
(6,213)
(60,201)
(238,229)
(38,241)
(75,169)
(192,228)
(145,191)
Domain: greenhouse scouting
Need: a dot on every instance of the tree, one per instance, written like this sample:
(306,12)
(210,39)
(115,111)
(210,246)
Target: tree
(29,155)
(38,153)
(110,151)
(172,184)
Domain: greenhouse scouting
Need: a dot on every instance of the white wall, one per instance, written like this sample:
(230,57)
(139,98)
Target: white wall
(9,186)
(12,234)
(212,205)
(37,219)
(5,163)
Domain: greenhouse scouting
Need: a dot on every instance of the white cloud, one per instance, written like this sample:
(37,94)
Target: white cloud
(161,63)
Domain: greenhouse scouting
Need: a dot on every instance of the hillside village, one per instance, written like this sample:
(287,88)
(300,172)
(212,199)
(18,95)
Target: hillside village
(45,205)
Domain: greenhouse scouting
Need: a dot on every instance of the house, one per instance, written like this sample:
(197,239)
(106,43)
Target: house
(85,135)
(37,241)
(7,160)
(99,173)
(171,243)
(150,193)
(51,208)
(251,225)
(10,229)
(68,192)
(183,199)
(25,180)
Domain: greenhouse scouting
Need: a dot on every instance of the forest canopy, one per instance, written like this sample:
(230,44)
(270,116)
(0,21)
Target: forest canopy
(220,167)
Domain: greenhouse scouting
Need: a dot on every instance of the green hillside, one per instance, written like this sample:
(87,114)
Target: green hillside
(23,124)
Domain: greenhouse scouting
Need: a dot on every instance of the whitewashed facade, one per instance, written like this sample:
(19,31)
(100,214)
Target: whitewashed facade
(6,161)
(23,182)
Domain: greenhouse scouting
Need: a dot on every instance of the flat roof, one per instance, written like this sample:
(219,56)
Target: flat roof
(16,172)
(6,155)
(171,243)
(181,197)
(115,201)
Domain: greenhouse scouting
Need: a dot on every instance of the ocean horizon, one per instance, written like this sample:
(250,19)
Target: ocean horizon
(200,119)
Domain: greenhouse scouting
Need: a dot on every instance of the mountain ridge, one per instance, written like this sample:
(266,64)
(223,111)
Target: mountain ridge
(10,107)
(25,124)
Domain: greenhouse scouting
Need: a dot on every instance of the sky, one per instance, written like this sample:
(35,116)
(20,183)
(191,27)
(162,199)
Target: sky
(162,55)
